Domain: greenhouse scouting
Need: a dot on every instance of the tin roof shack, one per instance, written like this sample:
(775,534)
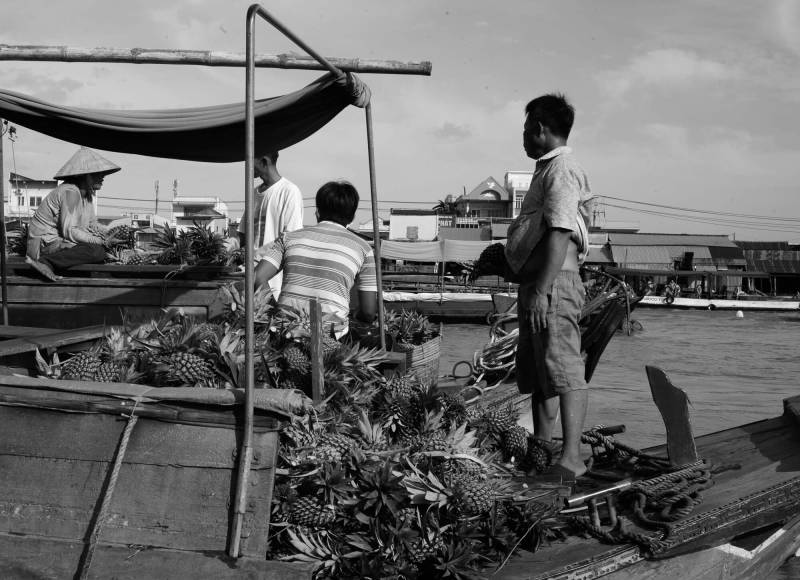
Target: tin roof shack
(778,262)
(705,264)
(413,225)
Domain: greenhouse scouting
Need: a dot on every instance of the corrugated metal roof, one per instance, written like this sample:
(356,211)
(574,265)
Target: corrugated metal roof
(670,240)
(774,266)
(599,255)
(657,255)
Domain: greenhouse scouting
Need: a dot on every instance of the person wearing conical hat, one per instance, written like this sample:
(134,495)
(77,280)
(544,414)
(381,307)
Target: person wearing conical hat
(64,230)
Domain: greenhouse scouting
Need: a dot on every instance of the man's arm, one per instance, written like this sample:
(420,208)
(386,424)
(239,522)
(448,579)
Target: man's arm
(553,251)
(264,272)
(367,305)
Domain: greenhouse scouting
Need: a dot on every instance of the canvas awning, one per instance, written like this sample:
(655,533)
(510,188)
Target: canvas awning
(211,134)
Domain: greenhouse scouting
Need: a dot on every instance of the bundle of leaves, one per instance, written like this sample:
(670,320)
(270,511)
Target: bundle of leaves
(394,479)
(408,328)
(204,245)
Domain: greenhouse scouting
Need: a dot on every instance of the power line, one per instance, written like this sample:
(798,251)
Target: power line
(710,212)
(705,220)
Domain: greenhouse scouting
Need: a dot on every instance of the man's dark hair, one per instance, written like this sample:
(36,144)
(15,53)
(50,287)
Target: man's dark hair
(272,156)
(552,111)
(337,201)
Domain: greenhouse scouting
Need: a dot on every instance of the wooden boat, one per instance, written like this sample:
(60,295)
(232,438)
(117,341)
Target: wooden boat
(59,441)
(104,293)
(680,302)
(148,494)
(747,525)
(442,305)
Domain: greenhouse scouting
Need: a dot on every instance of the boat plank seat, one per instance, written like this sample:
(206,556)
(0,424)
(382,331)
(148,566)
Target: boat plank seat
(11,331)
(52,340)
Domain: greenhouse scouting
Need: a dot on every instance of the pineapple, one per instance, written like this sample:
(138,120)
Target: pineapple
(332,447)
(186,368)
(205,244)
(498,421)
(308,512)
(108,372)
(330,346)
(425,549)
(123,236)
(173,250)
(83,366)
(473,498)
(455,472)
(136,259)
(296,359)
(515,443)
(298,435)
(454,409)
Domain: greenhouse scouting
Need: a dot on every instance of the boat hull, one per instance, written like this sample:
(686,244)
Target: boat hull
(715,304)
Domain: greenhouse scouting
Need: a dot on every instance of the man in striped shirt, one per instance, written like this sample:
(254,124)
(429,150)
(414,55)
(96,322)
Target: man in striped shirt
(324,261)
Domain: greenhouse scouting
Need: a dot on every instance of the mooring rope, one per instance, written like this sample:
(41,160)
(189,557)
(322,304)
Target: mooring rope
(97,525)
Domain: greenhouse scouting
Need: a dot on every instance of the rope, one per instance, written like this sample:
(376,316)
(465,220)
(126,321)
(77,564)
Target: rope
(94,533)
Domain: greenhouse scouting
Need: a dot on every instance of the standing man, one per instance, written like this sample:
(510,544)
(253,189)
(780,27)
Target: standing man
(546,245)
(64,231)
(278,208)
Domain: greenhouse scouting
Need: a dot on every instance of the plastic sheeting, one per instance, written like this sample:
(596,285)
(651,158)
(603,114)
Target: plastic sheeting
(211,134)
(441,251)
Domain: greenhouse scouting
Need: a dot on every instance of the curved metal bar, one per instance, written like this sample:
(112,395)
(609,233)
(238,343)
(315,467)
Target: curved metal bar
(246,454)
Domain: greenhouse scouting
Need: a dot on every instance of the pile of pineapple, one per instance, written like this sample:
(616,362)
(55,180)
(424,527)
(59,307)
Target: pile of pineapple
(395,478)
(408,329)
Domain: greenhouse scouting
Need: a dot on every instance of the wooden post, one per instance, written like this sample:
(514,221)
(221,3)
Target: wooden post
(3,240)
(317,364)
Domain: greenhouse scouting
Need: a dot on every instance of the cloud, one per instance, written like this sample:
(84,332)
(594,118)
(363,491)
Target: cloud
(452,132)
(664,68)
(787,24)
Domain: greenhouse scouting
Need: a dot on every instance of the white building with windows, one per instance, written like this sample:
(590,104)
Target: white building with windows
(25,195)
(207,211)
(517,184)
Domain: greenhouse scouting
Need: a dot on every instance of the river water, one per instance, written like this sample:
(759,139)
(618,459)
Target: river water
(734,370)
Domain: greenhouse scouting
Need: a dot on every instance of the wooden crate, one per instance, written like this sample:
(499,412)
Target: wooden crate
(176,485)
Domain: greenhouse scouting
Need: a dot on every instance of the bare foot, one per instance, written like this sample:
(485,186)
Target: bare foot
(43,269)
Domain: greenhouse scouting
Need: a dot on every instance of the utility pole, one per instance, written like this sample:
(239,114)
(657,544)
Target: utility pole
(156,212)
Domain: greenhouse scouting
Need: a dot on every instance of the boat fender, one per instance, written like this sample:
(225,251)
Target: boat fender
(712,306)
(669,299)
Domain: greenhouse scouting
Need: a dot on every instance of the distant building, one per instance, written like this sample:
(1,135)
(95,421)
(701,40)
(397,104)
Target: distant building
(25,196)
(208,211)
(488,199)
(778,263)
(517,185)
(415,225)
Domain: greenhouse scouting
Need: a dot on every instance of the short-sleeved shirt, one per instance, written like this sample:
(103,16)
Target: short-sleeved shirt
(323,261)
(65,216)
(278,209)
(559,197)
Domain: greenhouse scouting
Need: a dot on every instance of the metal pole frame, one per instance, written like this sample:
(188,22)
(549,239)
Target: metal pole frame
(3,239)
(246,453)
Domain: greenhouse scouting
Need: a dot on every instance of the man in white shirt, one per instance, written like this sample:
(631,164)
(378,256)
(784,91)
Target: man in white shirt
(278,207)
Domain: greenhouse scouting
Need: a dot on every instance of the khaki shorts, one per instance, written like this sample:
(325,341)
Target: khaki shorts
(550,363)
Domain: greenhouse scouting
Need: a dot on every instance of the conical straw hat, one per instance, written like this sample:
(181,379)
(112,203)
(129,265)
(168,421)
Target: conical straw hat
(86,161)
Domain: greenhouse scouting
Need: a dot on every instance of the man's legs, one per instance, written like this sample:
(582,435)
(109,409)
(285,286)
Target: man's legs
(573,413)
(81,253)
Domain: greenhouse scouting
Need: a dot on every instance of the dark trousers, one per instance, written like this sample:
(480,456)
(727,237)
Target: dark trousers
(81,253)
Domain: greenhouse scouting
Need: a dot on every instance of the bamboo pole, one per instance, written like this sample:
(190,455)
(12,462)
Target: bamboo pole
(206,58)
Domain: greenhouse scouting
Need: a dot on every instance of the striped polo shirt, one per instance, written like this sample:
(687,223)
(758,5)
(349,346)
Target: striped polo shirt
(323,261)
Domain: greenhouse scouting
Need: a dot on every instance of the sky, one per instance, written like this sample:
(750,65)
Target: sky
(686,110)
